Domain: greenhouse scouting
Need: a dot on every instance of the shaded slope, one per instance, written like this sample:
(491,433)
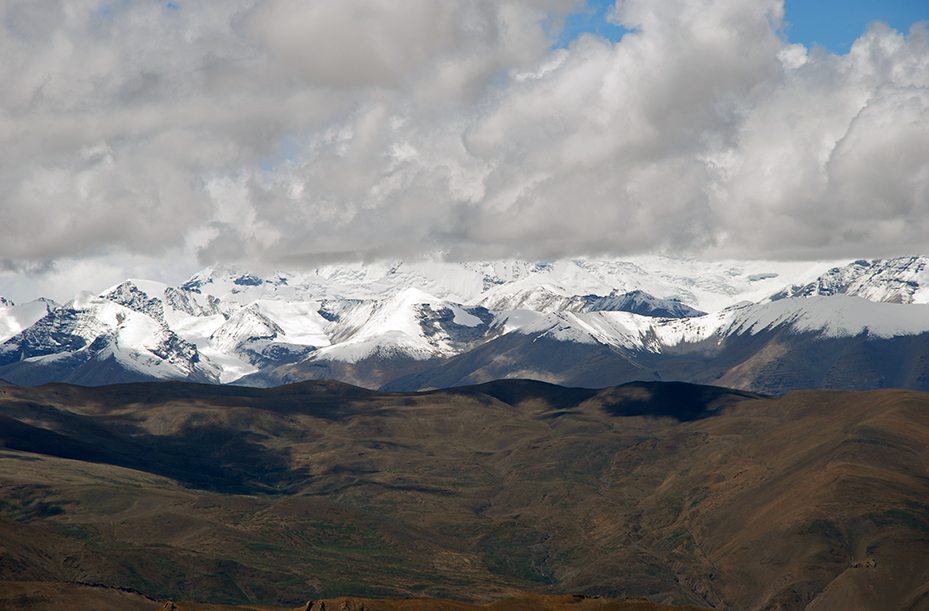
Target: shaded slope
(516,355)
(677,400)
(520,393)
(772,361)
(208,446)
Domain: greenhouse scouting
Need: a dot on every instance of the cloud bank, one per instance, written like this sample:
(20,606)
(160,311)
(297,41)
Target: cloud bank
(285,133)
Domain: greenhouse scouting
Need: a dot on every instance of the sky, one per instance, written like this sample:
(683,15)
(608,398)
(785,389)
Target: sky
(151,138)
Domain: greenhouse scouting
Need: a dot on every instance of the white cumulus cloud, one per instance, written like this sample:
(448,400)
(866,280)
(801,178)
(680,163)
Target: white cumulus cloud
(285,133)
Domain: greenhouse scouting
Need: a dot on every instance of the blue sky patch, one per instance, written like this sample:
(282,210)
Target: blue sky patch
(591,18)
(831,24)
(836,24)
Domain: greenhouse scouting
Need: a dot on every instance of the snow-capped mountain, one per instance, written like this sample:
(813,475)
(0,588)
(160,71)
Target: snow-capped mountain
(411,323)
(91,334)
(433,323)
(829,317)
(903,280)
(15,318)
(508,285)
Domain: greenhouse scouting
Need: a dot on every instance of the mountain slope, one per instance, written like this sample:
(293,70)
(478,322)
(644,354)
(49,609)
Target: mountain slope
(902,280)
(676,492)
(822,342)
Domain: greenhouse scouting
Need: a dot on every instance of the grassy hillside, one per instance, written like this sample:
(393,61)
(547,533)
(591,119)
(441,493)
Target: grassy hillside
(678,493)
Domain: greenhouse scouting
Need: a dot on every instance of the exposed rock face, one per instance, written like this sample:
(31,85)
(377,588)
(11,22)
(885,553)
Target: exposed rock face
(128,294)
(182,301)
(639,302)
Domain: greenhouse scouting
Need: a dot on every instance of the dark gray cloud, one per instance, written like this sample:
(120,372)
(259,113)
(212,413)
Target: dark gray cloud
(278,131)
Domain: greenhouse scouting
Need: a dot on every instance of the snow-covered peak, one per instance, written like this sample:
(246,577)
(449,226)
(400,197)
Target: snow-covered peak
(246,324)
(394,322)
(900,280)
(411,323)
(512,284)
(165,303)
(536,293)
(15,318)
(832,316)
(620,329)
(232,285)
(96,328)
(829,316)
(130,295)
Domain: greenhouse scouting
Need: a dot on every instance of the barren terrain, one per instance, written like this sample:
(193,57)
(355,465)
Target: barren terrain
(681,494)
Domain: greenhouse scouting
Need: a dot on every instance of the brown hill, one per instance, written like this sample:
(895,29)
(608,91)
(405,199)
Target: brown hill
(50,596)
(678,493)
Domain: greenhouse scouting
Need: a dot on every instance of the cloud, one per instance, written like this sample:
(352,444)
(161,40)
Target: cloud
(833,158)
(275,132)
(365,43)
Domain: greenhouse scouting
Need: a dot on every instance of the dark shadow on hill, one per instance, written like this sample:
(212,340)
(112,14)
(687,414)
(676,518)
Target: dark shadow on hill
(200,455)
(679,400)
(515,392)
(319,398)
(204,457)
(223,460)
(16,435)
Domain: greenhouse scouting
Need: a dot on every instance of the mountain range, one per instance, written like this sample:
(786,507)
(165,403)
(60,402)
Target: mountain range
(762,326)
